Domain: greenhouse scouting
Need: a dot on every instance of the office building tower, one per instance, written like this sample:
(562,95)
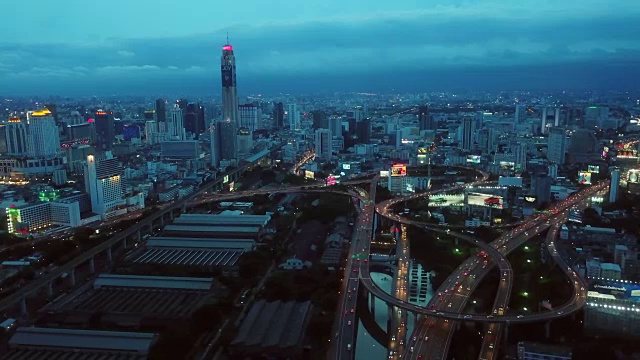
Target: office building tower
(214,144)
(357,114)
(335,125)
(194,119)
(230,119)
(175,128)
(16,137)
(582,148)
(519,151)
(161,110)
(180,150)
(520,114)
(278,115)
(245,142)
(293,116)
(44,134)
(105,130)
(557,145)
(541,186)
(467,133)
(82,134)
(323,144)
(596,116)
(151,132)
(320,120)
(3,139)
(103,183)
(615,185)
(250,116)
(550,118)
(53,110)
(75,118)
(228,140)
(363,131)
(425,121)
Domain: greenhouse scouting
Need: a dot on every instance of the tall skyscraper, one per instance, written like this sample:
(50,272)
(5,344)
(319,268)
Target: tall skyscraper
(320,120)
(335,125)
(44,134)
(596,116)
(550,118)
(229,102)
(176,124)
(228,140)
(323,144)
(278,115)
(615,185)
(194,119)
(105,130)
(425,121)
(16,137)
(467,133)
(103,183)
(161,110)
(363,131)
(293,115)
(557,145)
(214,145)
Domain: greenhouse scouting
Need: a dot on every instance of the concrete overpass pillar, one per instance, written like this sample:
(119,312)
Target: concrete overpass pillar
(547,329)
(162,221)
(109,255)
(373,304)
(92,265)
(23,307)
(50,290)
(72,276)
(389,319)
(506,334)
(138,236)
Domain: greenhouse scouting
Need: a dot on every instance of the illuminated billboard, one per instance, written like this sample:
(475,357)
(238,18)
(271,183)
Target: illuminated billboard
(593,169)
(627,154)
(473,159)
(309,174)
(614,290)
(487,200)
(399,170)
(507,165)
(530,199)
(633,176)
(226,179)
(384,173)
(333,179)
(346,166)
(584,178)
(514,181)
(422,159)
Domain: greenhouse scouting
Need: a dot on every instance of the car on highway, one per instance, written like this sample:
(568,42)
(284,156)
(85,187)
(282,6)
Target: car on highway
(349,323)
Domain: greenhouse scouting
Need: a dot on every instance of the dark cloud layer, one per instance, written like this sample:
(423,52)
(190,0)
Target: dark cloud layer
(409,52)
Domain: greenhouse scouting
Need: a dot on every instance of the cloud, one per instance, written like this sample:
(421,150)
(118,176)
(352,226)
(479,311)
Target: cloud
(444,38)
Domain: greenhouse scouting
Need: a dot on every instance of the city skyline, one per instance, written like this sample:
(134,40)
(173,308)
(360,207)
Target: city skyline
(334,47)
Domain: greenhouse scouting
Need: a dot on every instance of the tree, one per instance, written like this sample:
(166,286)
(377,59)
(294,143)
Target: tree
(268,176)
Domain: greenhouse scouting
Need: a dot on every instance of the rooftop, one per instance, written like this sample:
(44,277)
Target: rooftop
(83,339)
(213,229)
(202,243)
(610,267)
(157,282)
(547,349)
(229,220)
(188,257)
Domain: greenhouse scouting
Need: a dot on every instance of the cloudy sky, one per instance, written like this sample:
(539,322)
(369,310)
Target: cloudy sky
(72,47)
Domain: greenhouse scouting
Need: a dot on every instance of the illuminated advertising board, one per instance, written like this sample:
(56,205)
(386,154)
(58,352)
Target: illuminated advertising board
(486,200)
(584,178)
(530,199)
(399,170)
(614,290)
(422,159)
(232,186)
(633,176)
(331,180)
(226,179)
(384,173)
(514,181)
(309,174)
(346,166)
(473,159)
(423,150)
(507,165)
(593,169)
(627,154)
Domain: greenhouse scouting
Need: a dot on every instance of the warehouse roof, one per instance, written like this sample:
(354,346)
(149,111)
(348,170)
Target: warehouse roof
(213,229)
(229,220)
(189,257)
(83,339)
(158,282)
(202,243)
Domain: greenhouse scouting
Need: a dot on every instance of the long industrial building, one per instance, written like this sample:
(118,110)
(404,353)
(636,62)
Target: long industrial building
(33,343)
(132,300)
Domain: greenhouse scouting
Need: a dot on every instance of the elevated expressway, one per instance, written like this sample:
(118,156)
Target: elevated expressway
(433,337)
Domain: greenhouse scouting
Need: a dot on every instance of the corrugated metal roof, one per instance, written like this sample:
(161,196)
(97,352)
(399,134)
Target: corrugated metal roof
(213,229)
(229,220)
(83,339)
(158,282)
(71,354)
(191,257)
(235,244)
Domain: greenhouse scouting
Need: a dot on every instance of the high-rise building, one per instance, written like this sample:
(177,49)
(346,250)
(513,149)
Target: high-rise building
(293,115)
(596,116)
(229,103)
(105,130)
(335,125)
(615,185)
(557,145)
(363,131)
(194,119)
(583,146)
(425,121)
(176,124)
(44,134)
(323,144)
(151,132)
(521,113)
(320,120)
(550,118)
(16,137)
(245,142)
(161,110)
(278,115)
(103,183)
(214,144)
(467,133)
(250,116)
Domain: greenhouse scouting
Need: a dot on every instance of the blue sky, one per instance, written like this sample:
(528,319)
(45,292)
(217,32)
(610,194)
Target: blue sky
(120,46)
